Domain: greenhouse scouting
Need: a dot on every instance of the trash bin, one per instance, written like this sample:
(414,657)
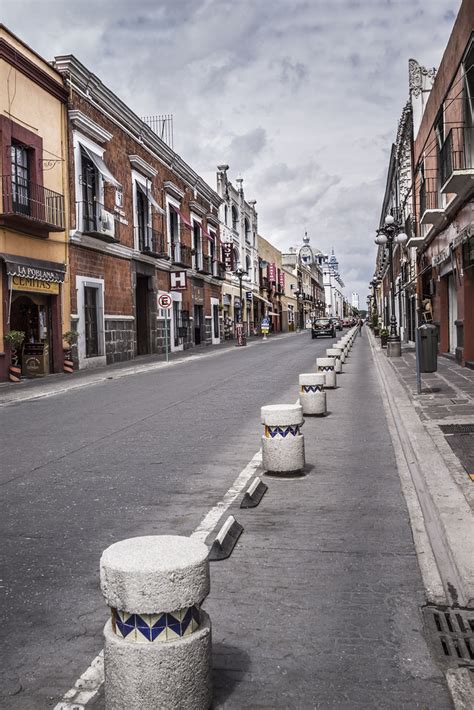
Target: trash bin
(428,334)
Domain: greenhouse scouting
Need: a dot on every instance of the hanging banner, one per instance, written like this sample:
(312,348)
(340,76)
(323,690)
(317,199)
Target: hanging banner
(228,251)
(282,280)
(271,273)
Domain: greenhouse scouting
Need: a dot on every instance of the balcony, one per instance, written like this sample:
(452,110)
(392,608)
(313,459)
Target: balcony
(264,282)
(206,265)
(152,243)
(96,221)
(430,211)
(218,269)
(181,254)
(457,161)
(31,208)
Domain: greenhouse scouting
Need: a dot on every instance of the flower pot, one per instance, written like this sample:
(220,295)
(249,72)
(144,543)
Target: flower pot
(384,340)
(68,364)
(376,332)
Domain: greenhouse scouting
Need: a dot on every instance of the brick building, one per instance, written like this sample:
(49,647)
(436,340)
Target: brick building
(142,223)
(443,158)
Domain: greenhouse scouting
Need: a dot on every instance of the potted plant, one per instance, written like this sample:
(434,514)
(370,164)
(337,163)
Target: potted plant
(15,339)
(70,337)
(384,337)
(375,324)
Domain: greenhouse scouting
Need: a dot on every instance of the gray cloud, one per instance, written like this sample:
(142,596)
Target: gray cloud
(300,97)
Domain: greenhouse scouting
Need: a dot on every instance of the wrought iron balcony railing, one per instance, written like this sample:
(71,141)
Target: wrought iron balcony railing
(457,159)
(181,254)
(152,242)
(26,204)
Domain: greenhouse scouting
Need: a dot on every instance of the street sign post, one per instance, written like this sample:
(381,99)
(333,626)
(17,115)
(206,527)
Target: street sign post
(165,302)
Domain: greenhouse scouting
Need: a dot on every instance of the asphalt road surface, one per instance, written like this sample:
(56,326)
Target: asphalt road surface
(318,605)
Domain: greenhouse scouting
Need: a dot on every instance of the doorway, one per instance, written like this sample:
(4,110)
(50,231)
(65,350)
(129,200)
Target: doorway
(198,324)
(141,314)
(452,314)
(31,314)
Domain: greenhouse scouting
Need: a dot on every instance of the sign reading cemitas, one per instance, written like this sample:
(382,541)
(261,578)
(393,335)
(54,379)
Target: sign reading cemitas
(22,283)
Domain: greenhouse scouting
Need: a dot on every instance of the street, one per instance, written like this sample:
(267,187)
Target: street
(319,606)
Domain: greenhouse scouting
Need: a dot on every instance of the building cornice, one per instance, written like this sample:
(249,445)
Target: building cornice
(31,70)
(86,125)
(90,86)
(142,166)
(197,208)
(173,190)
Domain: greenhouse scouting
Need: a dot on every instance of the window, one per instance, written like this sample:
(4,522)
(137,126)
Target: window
(142,217)
(247,230)
(197,246)
(212,246)
(469,86)
(90,186)
(235,218)
(90,320)
(173,225)
(20,178)
(226,215)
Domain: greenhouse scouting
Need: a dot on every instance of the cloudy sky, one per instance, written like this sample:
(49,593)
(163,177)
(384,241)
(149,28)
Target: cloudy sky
(300,97)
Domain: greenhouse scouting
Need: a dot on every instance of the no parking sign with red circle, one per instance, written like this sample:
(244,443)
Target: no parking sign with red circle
(165,301)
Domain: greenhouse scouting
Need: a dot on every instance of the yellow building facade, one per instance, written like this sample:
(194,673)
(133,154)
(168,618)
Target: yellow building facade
(33,209)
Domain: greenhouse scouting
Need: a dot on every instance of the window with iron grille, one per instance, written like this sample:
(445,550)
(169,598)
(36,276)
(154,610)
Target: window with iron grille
(20,178)
(91,321)
(89,182)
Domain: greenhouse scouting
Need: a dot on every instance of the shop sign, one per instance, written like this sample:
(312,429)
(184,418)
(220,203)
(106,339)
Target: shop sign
(22,283)
(271,273)
(249,295)
(228,251)
(282,281)
(442,256)
(178,281)
(198,295)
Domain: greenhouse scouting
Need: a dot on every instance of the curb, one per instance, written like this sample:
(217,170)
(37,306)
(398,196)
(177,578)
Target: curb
(441,519)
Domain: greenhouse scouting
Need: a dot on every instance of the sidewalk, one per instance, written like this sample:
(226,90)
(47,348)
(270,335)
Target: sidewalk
(435,480)
(59,382)
(446,406)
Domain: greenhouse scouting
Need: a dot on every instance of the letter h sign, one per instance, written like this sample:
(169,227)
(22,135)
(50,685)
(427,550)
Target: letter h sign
(177,281)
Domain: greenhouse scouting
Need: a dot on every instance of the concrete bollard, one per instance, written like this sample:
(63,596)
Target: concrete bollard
(327,366)
(283,442)
(342,347)
(158,640)
(312,394)
(336,353)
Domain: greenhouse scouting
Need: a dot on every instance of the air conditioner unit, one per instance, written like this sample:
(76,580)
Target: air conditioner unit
(107,223)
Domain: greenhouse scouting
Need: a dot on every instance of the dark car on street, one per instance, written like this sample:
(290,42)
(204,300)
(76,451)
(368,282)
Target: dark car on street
(323,326)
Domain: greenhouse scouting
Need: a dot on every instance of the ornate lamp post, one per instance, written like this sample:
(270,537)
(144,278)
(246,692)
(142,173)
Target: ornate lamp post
(240,340)
(388,234)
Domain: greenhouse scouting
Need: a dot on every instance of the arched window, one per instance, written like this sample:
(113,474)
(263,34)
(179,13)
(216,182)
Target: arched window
(235,218)
(247,230)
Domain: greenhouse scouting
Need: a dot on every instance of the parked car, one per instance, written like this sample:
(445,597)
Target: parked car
(323,326)
(347,322)
(337,324)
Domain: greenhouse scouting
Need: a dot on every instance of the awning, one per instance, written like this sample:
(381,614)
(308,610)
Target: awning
(206,234)
(182,216)
(150,198)
(34,268)
(101,166)
(264,300)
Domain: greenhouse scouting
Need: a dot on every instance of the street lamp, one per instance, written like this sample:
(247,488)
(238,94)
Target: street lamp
(240,273)
(239,328)
(299,299)
(388,234)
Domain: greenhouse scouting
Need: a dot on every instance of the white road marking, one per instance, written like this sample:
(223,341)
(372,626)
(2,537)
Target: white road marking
(90,682)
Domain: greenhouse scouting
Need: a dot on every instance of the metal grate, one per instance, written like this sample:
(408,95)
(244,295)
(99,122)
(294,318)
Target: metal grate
(457,428)
(452,631)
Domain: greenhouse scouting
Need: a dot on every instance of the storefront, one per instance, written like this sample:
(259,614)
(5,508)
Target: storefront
(32,298)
